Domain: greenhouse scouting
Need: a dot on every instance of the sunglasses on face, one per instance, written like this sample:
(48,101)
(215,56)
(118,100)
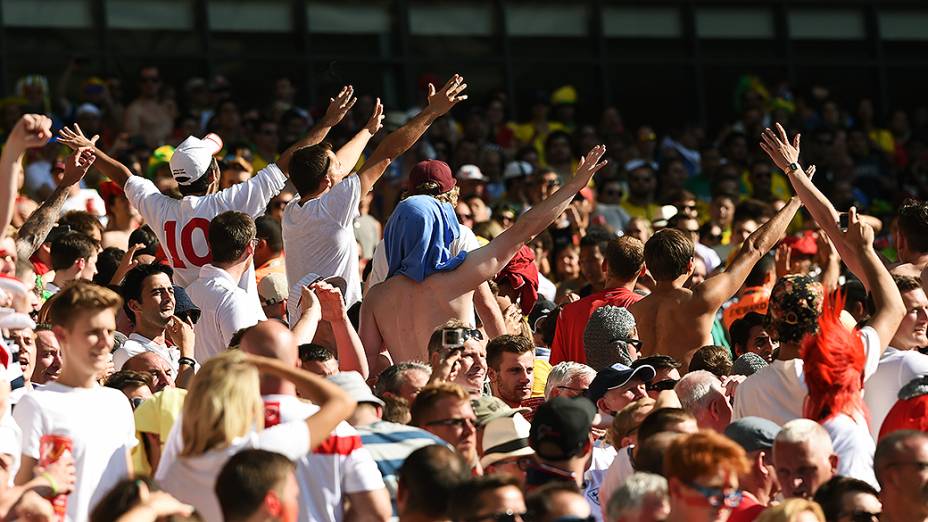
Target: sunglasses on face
(666,384)
(717,497)
(634,342)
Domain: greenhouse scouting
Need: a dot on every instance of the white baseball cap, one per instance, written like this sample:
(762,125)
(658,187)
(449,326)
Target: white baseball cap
(470,173)
(192,158)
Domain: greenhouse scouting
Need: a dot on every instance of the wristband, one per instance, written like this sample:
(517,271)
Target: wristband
(188,361)
(51,483)
(793,167)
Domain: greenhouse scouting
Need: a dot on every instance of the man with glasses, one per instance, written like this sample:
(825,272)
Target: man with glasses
(505,446)
(148,116)
(568,379)
(702,473)
(616,387)
(227,308)
(444,410)
(901,466)
(495,498)
(623,264)
(666,373)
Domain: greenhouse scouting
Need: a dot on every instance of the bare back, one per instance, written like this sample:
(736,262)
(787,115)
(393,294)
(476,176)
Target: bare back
(669,324)
(406,313)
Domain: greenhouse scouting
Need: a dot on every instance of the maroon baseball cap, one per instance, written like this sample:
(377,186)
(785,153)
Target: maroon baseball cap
(431,170)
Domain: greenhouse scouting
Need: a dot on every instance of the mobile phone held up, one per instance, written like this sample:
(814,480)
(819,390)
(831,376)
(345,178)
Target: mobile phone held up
(842,221)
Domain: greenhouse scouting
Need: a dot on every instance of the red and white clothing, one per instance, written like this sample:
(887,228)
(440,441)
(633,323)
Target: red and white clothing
(182,225)
(340,465)
(191,479)
(568,335)
(101,427)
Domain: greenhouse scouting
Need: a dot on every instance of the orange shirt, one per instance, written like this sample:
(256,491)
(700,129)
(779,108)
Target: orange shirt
(275,264)
(568,335)
(754,299)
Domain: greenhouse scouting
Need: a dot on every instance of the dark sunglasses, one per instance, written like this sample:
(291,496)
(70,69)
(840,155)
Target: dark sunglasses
(666,384)
(590,518)
(716,497)
(634,342)
(470,333)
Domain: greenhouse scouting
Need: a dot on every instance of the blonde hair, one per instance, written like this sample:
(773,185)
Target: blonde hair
(226,404)
(790,510)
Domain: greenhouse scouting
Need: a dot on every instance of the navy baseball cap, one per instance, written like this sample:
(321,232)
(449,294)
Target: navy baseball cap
(616,376)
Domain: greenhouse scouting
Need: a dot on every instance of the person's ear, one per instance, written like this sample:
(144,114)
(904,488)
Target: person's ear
(80,263)
(491,374)
(833,460)
(273,504)
(134,305)
(601,404)
(61,334)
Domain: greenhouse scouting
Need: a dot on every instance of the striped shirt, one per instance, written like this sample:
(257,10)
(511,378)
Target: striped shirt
(390,443)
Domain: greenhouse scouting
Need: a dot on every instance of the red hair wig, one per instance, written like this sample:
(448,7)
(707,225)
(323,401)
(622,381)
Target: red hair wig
(834,363)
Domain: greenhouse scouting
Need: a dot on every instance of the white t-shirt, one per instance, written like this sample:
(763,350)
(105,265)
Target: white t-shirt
(100,424)
(338,466)
(854,446)
(226,309)
(192,479)
(11,444)
(182,225)
(620,469)
(86,200)
(896,369)
(137,344)
(319,236)
(778,391)
(465,242)
(593,477)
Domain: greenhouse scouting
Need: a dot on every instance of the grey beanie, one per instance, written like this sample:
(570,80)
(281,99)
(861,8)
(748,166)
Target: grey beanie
(607,324)
(747,364)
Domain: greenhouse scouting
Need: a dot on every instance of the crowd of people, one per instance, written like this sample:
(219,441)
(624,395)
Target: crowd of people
(346,313)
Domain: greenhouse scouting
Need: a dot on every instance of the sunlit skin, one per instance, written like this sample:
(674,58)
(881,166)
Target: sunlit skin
(689,505)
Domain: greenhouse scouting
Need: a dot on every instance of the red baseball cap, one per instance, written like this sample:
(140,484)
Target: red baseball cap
(431,170)
(804,244)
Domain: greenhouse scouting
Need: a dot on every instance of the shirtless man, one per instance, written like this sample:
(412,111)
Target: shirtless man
(911,238)
(147,116)
(675,321)
(399,315)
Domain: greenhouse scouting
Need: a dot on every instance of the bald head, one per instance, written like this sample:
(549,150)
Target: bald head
(273,340)
(155,365)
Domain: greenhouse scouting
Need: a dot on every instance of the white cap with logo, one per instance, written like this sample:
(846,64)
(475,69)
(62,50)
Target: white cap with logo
(192,158)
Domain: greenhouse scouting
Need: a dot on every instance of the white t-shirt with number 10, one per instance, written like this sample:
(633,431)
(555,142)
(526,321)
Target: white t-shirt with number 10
(182,225)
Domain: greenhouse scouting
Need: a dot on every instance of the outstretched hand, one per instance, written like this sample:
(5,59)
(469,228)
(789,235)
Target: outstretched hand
(779,148)
(375,123)
(590,163)
(450,95)
(339,106)
(75,139)
(32,130)
(77,164)
(859,235)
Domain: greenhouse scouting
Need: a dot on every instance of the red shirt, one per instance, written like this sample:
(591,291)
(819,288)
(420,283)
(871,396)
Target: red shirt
(747,511)
(568,336)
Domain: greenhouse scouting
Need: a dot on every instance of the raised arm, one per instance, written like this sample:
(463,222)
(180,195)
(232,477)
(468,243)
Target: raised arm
(334,404)
(350,152)
(348,346)
(399,141)
(114,170)
(338,108)
(32,130)
(714,291)
(305,328)
(484,263)
(886,299)
(34,231)
(785,154)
